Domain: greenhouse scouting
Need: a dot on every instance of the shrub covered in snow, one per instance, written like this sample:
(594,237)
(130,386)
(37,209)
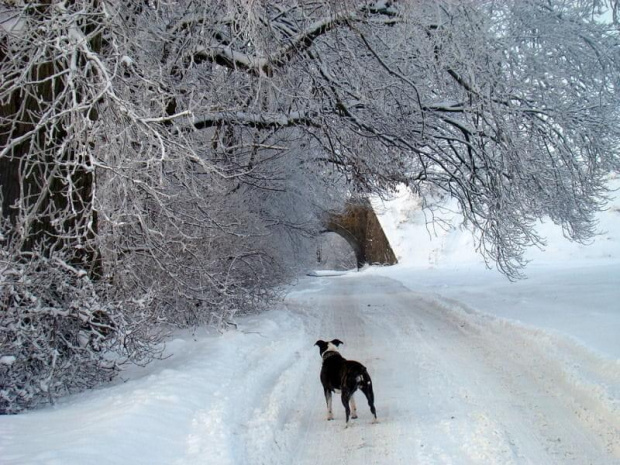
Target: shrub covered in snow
(57,332)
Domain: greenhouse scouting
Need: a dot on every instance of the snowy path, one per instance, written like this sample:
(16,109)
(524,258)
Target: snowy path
(452,386)
(455,387)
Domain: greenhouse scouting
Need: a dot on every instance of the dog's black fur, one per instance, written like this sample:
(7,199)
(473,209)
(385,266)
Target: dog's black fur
(344,375)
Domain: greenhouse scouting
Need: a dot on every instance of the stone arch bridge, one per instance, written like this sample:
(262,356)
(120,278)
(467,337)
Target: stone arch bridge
(359,226)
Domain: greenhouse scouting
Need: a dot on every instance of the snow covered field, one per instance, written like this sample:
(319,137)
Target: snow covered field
(468,368)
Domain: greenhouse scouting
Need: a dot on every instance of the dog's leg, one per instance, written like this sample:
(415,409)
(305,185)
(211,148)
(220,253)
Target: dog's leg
(353,407)
(370,396)
(346,396)
(328,400)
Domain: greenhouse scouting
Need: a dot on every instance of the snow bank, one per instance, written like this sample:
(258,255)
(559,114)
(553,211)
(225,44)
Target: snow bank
(184,409)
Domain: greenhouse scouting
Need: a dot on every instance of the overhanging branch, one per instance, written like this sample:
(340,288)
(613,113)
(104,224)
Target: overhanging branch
(224,55)
(257,120)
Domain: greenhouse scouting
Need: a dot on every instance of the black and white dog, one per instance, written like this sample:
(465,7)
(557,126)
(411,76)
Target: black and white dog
(346,376)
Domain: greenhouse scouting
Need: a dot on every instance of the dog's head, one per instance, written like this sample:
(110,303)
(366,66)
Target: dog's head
(328,346)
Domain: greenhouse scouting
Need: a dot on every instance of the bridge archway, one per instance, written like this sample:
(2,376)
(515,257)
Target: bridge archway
(334,253)
(360,227)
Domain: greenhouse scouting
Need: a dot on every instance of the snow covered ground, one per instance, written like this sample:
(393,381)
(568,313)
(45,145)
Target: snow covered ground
(468,368)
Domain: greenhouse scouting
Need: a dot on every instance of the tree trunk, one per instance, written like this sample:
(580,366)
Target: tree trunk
(46,185)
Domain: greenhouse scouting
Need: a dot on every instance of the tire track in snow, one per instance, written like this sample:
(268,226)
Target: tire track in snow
(244,419)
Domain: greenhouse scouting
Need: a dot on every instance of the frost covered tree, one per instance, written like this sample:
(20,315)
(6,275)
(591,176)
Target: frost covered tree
(167,159)
(509,107)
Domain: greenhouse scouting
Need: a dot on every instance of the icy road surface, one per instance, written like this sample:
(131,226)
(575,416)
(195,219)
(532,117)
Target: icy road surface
(452,386)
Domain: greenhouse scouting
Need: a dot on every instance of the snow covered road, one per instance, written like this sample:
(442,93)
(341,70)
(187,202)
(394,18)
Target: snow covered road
(455,387)
(452,386)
